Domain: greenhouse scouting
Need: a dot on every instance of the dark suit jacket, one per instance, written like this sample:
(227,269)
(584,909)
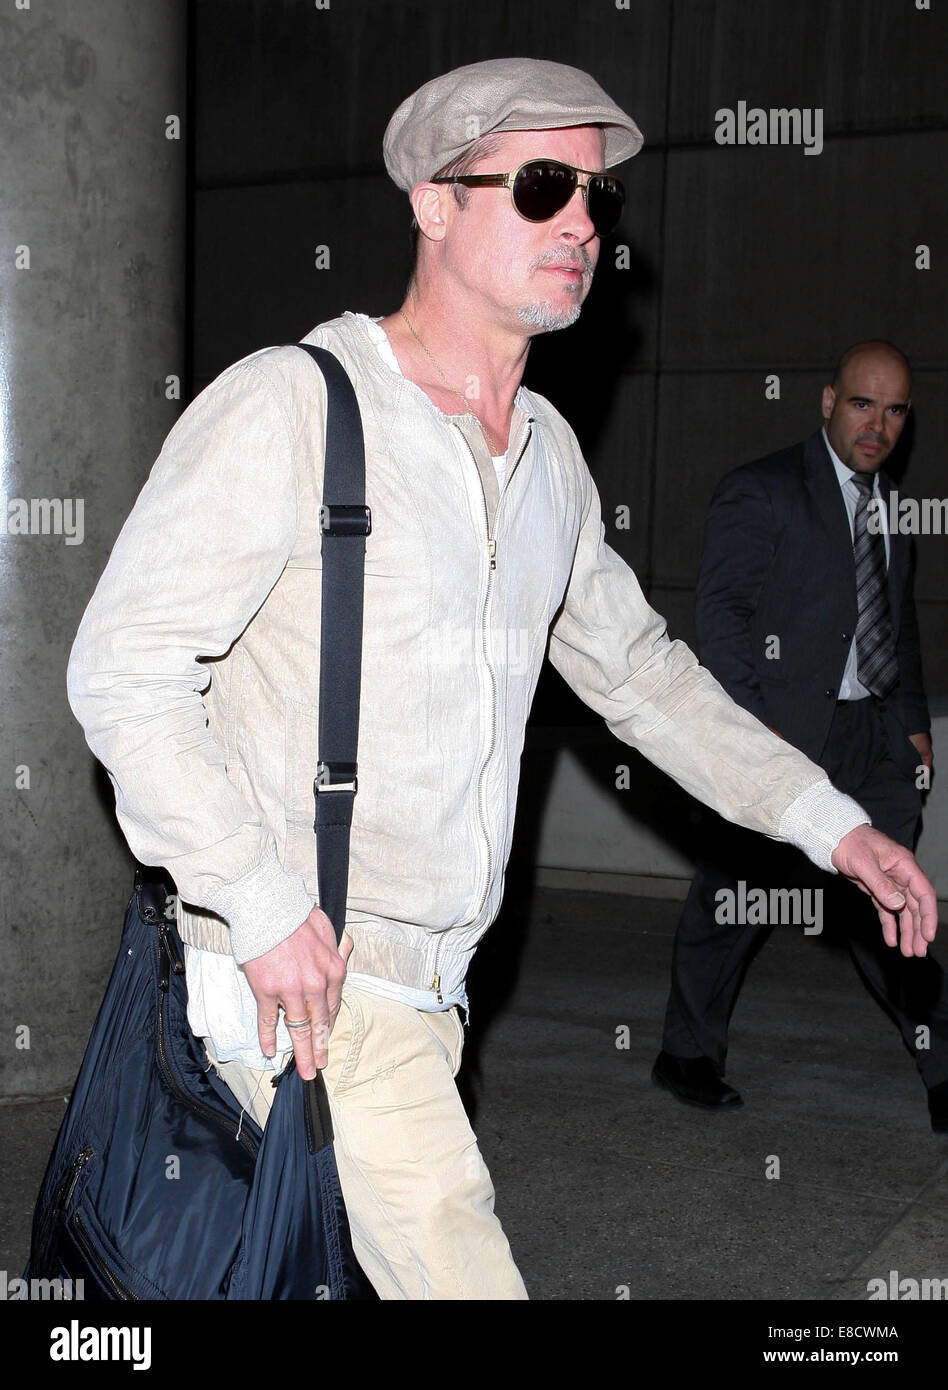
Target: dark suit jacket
(778,563)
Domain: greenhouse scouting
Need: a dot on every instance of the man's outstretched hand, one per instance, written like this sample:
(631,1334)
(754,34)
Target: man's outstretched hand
(304,975)
(903,896)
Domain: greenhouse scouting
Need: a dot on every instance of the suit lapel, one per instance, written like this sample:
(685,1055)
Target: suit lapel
(826,501)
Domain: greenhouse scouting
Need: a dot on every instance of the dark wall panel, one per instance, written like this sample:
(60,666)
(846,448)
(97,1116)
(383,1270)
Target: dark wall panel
(871,65)
(781,258)
(285,86)
(263,277)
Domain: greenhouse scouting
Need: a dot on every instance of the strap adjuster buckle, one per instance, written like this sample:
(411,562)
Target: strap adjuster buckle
(345,519)
(335,777)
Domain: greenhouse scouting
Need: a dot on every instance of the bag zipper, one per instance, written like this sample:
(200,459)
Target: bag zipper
(169,958)
(111,1278)
(74,1176)
(62,1197)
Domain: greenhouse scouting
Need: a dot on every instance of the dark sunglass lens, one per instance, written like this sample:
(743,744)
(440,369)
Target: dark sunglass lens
(605,198)
(542,188)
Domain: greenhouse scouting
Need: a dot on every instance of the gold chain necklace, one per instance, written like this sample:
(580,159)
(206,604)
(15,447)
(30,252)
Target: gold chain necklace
(453,389)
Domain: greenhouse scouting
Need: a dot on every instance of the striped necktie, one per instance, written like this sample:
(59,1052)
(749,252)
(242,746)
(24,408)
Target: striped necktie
(876,665)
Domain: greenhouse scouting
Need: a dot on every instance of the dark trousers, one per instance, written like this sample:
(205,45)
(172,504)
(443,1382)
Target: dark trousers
(711,956)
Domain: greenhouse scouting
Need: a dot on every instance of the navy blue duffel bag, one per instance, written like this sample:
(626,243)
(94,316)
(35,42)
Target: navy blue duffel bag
(158,1186)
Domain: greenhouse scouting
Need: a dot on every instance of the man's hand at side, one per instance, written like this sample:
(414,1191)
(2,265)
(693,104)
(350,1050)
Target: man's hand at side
(903,896)
(923,746)
(304,974)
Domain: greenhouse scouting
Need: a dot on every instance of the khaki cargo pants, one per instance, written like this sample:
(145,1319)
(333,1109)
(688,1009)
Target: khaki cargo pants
(418,1193)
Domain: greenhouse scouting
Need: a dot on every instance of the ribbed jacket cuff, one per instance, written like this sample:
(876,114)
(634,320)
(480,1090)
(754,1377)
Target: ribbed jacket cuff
(262,908)
(817,820)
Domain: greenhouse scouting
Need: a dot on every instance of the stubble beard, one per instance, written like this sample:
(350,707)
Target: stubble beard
(541,314)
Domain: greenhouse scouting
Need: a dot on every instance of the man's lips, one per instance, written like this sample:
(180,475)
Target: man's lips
(573,272)
(870,446)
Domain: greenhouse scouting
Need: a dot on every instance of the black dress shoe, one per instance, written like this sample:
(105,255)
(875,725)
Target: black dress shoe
(694,1080)
(938,1107)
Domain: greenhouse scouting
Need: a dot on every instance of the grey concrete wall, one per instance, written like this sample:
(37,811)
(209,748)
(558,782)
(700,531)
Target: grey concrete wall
(92,242)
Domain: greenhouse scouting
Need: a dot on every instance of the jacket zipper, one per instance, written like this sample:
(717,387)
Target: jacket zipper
(435,985)
(169,958)
(492,554)
(85,1240)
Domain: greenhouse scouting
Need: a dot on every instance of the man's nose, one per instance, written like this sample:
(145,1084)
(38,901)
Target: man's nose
(574,218)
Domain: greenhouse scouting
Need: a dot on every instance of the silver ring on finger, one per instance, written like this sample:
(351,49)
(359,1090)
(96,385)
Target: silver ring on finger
(298,1022)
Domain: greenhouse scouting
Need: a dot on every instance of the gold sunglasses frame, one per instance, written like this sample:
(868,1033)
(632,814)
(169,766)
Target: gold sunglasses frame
(509,179)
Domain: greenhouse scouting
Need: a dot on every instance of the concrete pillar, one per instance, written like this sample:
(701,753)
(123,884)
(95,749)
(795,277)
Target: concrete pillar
(92,256)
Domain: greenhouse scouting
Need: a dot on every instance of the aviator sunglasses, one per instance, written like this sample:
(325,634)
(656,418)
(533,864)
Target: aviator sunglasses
(542,187)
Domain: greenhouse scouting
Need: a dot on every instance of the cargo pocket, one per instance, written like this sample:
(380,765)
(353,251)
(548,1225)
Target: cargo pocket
(344,1052)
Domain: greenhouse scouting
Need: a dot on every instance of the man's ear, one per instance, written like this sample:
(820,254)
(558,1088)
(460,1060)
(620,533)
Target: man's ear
(829,401)
(427,203)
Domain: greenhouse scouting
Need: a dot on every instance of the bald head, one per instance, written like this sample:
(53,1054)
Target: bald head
(876,348)
(867,405)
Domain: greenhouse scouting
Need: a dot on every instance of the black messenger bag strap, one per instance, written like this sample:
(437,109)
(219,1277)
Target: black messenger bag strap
(344,521)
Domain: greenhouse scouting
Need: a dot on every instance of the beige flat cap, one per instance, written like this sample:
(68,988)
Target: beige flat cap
(438,122)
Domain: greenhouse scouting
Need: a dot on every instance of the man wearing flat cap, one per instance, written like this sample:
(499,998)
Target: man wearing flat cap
(485,523)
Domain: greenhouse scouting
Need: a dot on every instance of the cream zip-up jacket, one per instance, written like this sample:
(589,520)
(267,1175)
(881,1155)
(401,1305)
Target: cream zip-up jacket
(194,672)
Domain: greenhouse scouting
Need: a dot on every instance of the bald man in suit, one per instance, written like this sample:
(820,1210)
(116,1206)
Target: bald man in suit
(805,615)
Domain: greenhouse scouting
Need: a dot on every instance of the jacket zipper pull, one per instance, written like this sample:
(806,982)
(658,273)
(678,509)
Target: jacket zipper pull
(492,552)
(436,986)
